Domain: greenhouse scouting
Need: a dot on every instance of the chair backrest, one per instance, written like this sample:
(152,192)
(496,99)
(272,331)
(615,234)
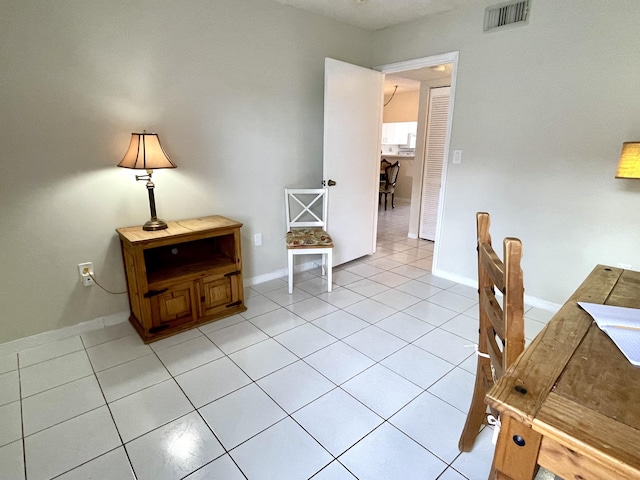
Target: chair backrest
(392,174)
(306,207)
(501,325)
(384,163)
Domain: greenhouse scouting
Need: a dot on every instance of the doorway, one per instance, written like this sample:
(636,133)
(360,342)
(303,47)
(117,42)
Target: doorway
(421,75)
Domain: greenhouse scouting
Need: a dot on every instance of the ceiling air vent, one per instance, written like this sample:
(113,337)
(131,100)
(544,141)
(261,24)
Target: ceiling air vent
(509,13)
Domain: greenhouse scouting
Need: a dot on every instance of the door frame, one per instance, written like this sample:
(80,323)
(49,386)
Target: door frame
(416,198)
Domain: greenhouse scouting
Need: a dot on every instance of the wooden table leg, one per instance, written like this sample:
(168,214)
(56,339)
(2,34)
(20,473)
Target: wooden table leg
(516,452)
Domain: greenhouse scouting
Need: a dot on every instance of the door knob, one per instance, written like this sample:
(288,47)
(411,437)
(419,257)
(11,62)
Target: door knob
(331,183)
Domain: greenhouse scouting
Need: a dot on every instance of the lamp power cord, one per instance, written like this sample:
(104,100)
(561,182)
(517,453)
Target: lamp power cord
(103,288)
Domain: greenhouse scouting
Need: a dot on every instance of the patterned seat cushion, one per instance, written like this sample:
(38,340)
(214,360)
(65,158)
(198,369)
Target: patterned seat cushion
(308,238)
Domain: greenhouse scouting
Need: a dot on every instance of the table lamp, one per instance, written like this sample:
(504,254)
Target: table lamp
(629,164)
(146,153)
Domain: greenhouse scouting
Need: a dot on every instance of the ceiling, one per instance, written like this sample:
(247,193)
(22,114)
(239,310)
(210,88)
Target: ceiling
(376,14)
(409,80)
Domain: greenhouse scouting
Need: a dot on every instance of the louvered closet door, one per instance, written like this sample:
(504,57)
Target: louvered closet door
(434,158)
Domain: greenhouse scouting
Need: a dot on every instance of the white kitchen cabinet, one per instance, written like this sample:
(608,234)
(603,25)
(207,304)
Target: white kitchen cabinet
(398,133)
(401,132)
(387,133)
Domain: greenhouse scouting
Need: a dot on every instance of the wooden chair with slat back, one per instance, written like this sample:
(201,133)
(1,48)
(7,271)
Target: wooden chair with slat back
(389,185)
(384,163)
(501,323)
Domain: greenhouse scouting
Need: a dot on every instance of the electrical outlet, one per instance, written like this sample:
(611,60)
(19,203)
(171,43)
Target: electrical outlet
(85,270)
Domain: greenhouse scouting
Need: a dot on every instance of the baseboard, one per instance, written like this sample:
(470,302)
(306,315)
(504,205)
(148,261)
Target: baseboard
(20,344)
(541,304)
(282,273)
(436,272)
(473,283)
(32,341)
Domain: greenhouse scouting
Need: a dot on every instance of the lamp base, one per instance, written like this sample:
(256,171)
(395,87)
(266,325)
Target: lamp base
(154,224)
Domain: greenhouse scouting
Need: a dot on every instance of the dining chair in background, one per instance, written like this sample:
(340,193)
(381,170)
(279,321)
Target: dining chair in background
(388,186)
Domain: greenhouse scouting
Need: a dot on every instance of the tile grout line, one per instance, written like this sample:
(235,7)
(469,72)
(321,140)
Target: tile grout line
(24,445)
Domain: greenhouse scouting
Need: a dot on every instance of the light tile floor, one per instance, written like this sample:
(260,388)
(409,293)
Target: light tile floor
(371,381)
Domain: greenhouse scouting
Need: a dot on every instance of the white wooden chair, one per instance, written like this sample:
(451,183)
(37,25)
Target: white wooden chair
(306,210)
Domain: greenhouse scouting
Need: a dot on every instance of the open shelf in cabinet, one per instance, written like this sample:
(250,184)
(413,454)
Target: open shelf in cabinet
(186,259)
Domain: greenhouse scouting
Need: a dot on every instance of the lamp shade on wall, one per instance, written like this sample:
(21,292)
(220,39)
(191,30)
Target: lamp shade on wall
(629,164)
(146,152)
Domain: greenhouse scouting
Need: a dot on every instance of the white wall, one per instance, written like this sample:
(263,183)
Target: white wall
(224,83)
(540,114)
(403,107)
(405,178)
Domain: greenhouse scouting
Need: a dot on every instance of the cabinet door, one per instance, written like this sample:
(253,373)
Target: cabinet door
(400,133)
(218,293)
(388,130)
(173,307)
(403,132)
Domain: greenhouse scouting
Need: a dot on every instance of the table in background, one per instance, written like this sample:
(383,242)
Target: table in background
(571,402)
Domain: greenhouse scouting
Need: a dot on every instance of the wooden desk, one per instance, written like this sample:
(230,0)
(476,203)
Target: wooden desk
(572,400)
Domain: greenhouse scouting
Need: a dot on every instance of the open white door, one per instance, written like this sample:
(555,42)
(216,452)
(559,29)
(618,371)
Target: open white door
(352,121)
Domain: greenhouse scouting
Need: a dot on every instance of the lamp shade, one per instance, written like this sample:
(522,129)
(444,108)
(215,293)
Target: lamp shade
(629,165)
(145,152)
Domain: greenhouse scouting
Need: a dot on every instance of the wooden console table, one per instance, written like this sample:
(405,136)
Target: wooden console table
(571,402)
(185,275)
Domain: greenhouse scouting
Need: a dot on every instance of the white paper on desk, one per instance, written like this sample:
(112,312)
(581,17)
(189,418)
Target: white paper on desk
(621,324)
